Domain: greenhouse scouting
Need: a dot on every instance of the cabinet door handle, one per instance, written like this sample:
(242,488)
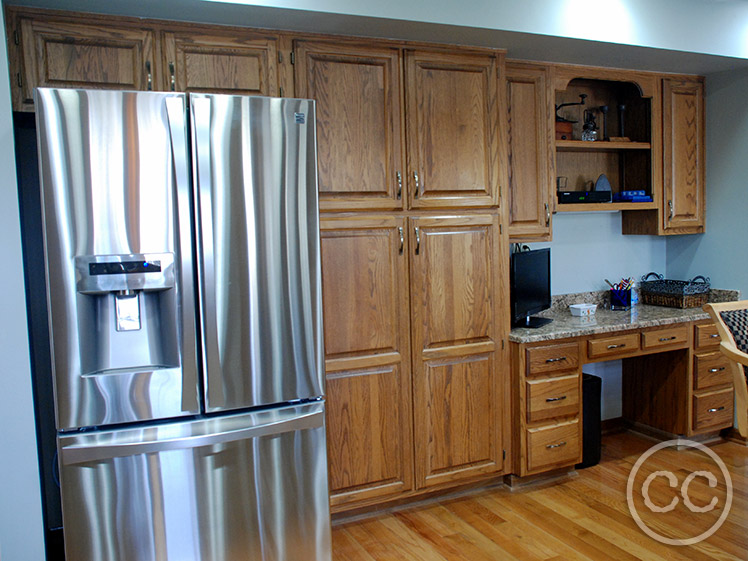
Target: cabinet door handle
(418,241)
(557,359)
(720,369)
(619,346)
(714,336)
(672,210)
(149,76)
(558,445)
(417,181)
(402,239)
(172,78)
(715,409)
(663,339)
(399,185)
(547,215)
(552,399)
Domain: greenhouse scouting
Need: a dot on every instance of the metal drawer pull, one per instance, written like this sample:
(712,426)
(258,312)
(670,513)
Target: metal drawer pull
(402,239)
(557,359)
(619,346)
(418,241)
(399,185)
(550,399)
(562,443)
(720,369)
(714,335)
(417,182)
(663,339)
(715,409)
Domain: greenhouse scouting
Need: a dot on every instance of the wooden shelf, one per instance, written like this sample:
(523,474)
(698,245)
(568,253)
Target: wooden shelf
(611,207)
(586,146)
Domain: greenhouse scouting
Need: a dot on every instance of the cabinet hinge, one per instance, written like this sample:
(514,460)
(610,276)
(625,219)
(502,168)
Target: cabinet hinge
(293,57)
(18,79)
(501,229)
(502,344)
(16,39)
(503,454)
(281,91)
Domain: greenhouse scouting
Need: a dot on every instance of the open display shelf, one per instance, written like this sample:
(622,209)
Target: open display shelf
(627,164)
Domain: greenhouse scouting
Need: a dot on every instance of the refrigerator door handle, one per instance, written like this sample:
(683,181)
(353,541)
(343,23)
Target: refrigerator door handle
(93,452)
(201,115)
(176,116)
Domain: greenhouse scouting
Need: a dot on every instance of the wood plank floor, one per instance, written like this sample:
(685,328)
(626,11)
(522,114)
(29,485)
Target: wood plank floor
(584,517)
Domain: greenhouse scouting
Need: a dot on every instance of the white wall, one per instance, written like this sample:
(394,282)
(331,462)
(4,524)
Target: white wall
(21,533)
(720,252)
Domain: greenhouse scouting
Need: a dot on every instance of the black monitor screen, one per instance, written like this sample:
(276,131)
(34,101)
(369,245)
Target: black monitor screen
(530,284)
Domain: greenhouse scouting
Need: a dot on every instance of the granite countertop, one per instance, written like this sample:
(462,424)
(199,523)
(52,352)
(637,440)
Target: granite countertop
(606,320)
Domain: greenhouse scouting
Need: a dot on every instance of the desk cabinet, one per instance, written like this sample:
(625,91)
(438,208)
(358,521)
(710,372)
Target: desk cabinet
(675,382)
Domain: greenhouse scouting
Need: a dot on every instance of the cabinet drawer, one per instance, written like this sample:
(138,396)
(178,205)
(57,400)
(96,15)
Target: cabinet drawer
(552,358)
(552,397)
(713,410)
(612,345)
(711,369)
(664,337)
(554,445)
(705,336)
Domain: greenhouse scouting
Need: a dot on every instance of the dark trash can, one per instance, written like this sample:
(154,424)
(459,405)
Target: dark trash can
(591,432)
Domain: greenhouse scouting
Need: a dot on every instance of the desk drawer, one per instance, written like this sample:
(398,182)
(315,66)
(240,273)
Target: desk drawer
(665,337)
(554,445)
(705,336)
(610,346)
(552,397)
(552,358)
(711,369)
(713,410)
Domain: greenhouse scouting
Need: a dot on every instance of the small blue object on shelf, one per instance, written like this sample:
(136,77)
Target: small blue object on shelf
(632,196)
(620,299)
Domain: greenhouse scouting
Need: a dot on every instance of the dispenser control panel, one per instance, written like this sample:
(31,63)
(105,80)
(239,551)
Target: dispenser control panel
(126,267)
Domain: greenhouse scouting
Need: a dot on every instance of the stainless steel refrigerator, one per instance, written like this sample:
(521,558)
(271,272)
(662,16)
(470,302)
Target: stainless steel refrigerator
(182,257)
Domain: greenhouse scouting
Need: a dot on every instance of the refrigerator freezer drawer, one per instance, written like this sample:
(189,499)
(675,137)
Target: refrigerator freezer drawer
(246,486)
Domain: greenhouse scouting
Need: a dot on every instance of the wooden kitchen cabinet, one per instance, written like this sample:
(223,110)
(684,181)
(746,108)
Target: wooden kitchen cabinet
(457,386)
(683,154)
(365,309)
(359,146)
(452,128)
(202,60)
(530,152)
(58,53)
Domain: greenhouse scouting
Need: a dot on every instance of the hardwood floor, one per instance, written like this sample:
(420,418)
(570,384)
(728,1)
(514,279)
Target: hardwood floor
(585,517)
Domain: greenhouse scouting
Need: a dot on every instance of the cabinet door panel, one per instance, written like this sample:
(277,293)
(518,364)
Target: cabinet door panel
(358,123)
(368,434)
(683,137)
(456,430)
(365,306)
(530,136)
(221,64)
(456,378)
(67,55)
(452,127)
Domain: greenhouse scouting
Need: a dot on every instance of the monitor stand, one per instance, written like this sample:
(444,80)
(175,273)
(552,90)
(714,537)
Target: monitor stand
(534,322)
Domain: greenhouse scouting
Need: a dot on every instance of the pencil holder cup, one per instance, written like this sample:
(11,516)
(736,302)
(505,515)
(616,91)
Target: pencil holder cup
(620,299)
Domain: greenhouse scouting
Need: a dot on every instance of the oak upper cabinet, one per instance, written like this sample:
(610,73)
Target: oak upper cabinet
(63,54)
(359,145)
(530,156)
(452,129)
(455,310)
(683,155)
(240,63)
(365,307)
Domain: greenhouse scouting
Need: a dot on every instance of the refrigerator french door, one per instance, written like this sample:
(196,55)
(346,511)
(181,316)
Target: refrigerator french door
(182,256)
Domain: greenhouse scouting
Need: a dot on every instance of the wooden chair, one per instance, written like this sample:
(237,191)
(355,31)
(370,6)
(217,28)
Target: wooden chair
(731,319)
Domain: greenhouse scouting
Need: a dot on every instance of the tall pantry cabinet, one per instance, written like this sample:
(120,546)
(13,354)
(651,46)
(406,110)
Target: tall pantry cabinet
(409,167)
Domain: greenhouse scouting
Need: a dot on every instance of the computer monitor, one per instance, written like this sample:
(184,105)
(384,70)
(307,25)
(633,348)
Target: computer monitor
(530,286)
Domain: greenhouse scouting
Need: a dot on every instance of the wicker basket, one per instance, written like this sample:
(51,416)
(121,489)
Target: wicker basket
(674,293)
